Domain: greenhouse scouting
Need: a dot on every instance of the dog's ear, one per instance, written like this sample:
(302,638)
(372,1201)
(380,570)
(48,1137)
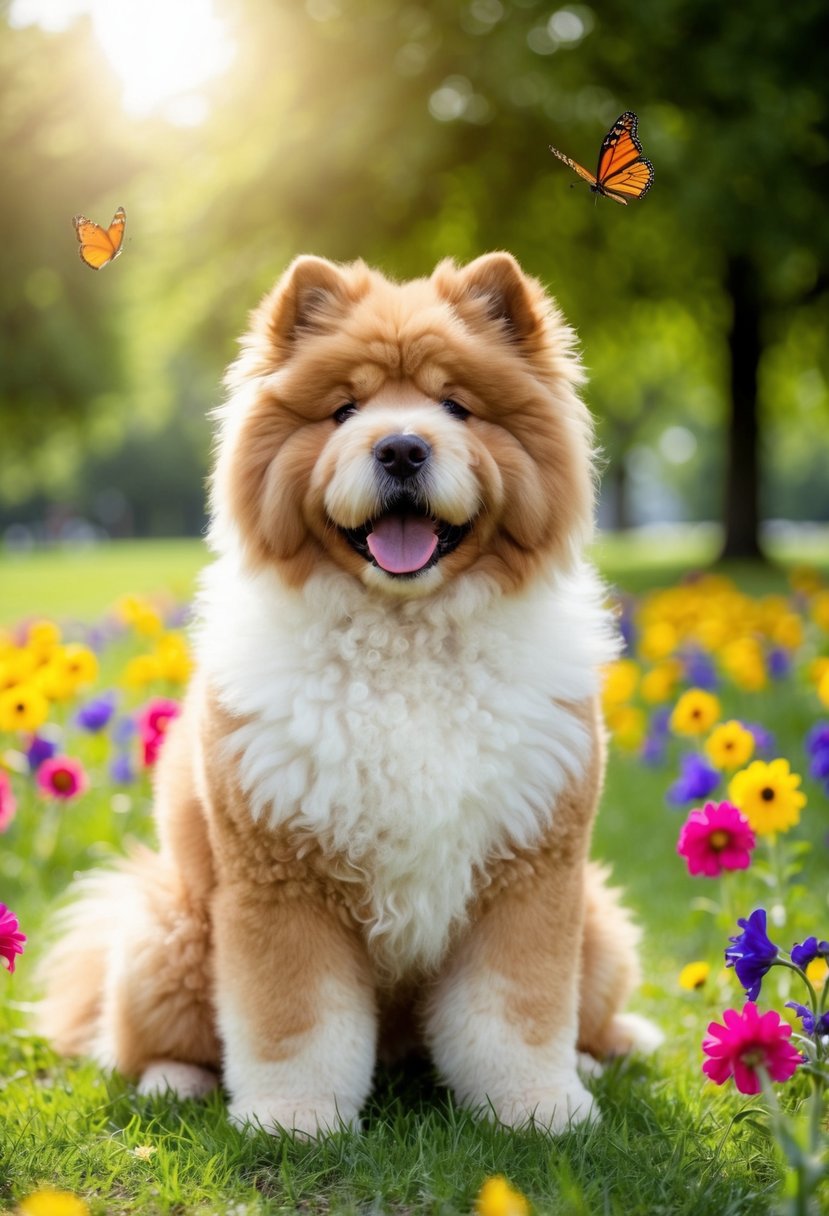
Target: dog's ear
(494,288)
(311,295)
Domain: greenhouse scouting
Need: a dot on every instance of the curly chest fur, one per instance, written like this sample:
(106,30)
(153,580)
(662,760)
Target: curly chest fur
(414,743)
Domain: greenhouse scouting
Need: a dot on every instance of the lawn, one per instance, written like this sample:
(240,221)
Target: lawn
(668,1142)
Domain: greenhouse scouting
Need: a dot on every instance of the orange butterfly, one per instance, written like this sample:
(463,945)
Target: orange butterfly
(623,171)
(100,246)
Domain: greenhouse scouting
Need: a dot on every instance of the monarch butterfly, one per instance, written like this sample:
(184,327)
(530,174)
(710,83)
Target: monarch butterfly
(100,246)
(623,171)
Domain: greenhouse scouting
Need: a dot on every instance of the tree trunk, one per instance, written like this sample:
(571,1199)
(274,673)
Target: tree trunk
(742,508)
(619,496)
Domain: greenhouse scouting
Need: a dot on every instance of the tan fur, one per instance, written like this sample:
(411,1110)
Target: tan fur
(229,905)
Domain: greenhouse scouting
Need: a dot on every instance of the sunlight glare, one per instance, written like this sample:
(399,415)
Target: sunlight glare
(163,52)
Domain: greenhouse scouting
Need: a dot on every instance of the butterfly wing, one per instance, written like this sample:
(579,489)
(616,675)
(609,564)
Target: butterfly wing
(582,172)
(99,246)
(623,171)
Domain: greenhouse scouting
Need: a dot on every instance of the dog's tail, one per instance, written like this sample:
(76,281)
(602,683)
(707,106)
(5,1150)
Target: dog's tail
(610,971)
(128,978)
(72,974)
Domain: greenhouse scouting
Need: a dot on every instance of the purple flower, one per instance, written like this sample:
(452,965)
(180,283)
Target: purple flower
(810,1025)
(817,739)
(779,663)
(39,749)
(95,715)
(809,950)
(751,954)
(764,742)
(653,750)
(697,779)
(661,721)
(700,671)
(819,764)
(123,730)
(121,770)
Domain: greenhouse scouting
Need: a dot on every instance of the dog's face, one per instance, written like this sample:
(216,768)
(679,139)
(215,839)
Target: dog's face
(407,433)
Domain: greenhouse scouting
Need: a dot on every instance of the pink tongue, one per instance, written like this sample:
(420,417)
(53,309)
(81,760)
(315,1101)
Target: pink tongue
(401,544)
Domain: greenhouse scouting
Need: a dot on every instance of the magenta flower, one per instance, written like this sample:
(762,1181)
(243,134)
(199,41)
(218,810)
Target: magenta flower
(153,721)
(749,1041)
(11,939)
(715,838)
(61,777)
(8,806)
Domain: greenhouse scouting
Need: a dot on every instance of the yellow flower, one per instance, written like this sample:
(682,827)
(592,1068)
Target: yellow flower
(17,666)
(497,1198)
(138,612)
(788,631)
(627,724)
(743,661)
(23,707)
(659,683)
(173,657)
(43,637)
(695,712)
(620,680)
(730,745)
(805,579)
(818,668)
(53,1203)
(768,796)
(823,688)
(68,669)
(820,610)
(80,665)
(142,670)
(658,641)
(817,972)
(144,1151)
(694,975)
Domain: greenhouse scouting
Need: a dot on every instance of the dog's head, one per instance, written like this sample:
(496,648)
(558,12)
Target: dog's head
(406,432)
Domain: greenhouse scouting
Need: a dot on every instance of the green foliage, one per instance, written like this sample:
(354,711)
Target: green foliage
(403,134)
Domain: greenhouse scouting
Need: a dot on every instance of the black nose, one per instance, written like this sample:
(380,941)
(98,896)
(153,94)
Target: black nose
(402,455)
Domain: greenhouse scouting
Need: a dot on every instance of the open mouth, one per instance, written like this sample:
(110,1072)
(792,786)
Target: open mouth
(404,540)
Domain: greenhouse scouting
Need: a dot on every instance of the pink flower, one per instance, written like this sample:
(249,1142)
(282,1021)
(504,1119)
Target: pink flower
(749,1041)
(11,939)
(718,837)
(61,777)
(8,806)
(153,721)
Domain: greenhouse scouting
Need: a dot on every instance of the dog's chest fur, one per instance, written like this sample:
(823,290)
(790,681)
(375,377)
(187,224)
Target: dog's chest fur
(415,740)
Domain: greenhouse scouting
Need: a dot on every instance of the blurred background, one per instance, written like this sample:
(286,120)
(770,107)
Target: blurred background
(238,133)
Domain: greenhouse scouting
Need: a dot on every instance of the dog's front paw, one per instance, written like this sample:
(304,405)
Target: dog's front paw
(552,1109)
(304,1119)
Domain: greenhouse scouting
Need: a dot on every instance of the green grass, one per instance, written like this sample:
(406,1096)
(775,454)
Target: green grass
(665,1144)
(84,582)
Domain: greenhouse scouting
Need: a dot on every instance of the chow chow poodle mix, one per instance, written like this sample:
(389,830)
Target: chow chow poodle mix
(374,812)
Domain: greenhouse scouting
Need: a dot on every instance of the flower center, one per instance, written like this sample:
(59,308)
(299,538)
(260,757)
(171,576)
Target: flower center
(753,1057)
(62,780)
(719,839)
(767,793)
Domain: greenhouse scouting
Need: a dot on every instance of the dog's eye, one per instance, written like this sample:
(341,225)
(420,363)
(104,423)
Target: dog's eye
(345,411)
(455,409)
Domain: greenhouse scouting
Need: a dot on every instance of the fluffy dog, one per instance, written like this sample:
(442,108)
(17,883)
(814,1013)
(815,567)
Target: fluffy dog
(375,810)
